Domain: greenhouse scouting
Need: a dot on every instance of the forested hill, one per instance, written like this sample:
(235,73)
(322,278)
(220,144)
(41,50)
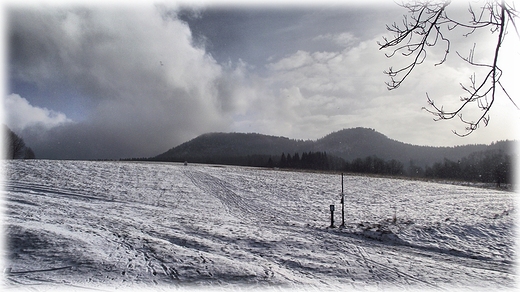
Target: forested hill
(235,144)
(355,143)
(348,144)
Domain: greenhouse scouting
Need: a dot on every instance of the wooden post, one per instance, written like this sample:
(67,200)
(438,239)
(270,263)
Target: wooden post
(331,216)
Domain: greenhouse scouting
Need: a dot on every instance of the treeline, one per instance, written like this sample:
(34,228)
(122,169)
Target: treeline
(375,165)
(14,146)
(322,161)
(488,166)
(309,160)
(491,166)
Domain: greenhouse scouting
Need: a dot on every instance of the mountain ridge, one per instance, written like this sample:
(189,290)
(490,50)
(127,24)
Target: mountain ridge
(348,144)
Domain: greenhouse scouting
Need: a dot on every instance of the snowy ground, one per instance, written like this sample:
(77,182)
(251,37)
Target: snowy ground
(122,225)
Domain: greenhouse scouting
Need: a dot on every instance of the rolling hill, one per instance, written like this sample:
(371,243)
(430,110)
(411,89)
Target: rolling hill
(348,144)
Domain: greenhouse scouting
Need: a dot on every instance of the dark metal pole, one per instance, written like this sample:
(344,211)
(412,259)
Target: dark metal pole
(342,203)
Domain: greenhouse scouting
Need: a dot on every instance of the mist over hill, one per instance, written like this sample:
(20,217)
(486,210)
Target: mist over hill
(347,144)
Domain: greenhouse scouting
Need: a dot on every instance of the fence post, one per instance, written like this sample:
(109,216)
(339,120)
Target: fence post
(331,216)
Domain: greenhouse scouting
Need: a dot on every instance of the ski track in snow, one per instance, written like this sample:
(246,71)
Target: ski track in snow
(101,225)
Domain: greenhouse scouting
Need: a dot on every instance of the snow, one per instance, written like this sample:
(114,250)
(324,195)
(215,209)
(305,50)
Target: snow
(79,225)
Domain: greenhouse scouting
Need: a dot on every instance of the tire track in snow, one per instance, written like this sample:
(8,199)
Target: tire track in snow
(233,203)
(372,265)
(377,268)
(45,190)
(354,248)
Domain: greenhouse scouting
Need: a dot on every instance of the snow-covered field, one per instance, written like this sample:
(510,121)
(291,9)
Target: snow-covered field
(123,225)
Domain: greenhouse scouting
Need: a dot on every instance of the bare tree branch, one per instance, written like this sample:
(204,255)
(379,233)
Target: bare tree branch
(422,29)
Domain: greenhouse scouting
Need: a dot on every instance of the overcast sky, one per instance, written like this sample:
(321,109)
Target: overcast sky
(118,81)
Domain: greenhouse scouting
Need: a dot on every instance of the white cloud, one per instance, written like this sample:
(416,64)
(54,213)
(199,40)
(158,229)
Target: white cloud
(309,94)
(297,60)
(20,114)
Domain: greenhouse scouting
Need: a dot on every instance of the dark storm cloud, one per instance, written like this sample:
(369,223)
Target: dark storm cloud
(151,88)
(256,34)
(55,48)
